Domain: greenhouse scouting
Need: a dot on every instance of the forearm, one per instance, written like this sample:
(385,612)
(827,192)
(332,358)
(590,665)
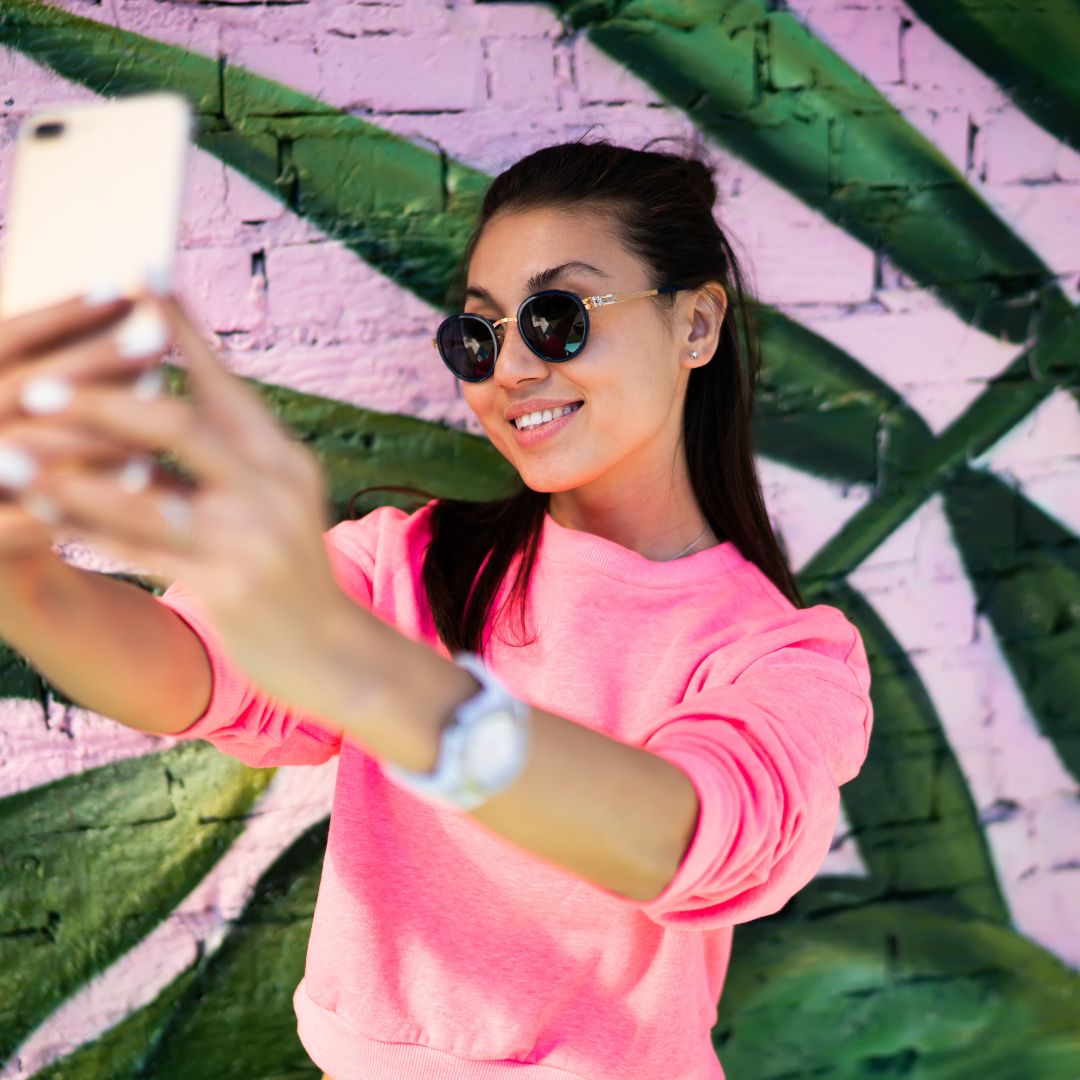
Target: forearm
(108,645)
(611,813)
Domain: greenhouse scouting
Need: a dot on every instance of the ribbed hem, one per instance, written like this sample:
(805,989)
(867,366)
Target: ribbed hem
(344,1053)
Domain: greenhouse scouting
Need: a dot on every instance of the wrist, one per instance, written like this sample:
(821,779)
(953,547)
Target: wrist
(393,694)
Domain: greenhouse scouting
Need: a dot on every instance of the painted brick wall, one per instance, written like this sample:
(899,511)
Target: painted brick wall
(485,84)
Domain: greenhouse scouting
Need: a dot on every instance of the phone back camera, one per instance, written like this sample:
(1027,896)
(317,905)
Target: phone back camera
(47,130)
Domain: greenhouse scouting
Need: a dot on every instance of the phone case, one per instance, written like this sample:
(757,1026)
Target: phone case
(95,197)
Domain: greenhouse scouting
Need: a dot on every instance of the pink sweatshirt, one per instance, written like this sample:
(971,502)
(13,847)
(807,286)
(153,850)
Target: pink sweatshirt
(440,950)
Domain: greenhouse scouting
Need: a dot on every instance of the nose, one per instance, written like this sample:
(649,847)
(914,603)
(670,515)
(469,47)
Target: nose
(516,362)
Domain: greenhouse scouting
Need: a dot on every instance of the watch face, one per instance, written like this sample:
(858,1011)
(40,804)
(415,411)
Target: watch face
(493,748)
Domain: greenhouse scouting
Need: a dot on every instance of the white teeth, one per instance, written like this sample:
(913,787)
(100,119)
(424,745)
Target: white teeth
(535,418)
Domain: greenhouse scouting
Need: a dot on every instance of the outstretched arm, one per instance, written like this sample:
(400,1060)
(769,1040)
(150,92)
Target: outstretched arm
(614,814)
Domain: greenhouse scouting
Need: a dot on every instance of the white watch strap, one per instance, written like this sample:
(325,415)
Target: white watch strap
(450,782)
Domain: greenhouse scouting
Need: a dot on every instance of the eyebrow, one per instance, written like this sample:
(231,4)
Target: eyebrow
(541,280)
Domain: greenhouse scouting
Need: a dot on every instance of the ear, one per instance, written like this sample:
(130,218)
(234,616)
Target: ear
(707,315)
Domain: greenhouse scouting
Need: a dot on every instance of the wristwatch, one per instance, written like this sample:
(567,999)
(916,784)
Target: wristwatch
(482,749)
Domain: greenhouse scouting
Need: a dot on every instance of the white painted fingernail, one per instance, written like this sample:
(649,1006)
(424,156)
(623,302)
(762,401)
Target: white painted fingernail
(158,279)
(176,510)
(46,394)
(17,467)
(102,293)
(135,475)
(149,384)
(143,334)
(41,507)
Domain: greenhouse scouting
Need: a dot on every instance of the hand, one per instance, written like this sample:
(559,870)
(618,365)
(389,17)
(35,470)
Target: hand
(71,340)
(246,535)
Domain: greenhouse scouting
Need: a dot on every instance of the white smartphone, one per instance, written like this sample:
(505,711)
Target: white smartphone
(95,198)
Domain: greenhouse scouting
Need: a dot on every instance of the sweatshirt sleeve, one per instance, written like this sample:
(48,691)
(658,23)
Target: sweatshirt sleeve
(239,719)
(767,753)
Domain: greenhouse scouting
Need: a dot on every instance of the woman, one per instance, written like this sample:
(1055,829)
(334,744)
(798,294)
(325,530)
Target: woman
(540,841)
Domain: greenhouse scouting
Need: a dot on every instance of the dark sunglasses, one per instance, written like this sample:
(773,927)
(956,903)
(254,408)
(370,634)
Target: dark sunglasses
(554,324)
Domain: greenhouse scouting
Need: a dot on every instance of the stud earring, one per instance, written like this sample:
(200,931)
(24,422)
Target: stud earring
(693,354)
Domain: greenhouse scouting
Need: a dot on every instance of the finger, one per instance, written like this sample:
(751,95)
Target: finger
(113,355)
(161,517)
(48,327)
(19,531)
(166,423)
(54,444)
(226,400)
(156,566)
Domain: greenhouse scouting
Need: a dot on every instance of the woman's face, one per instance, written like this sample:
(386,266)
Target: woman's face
(631,375)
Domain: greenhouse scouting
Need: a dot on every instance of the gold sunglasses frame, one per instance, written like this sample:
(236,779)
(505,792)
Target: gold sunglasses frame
(590,302)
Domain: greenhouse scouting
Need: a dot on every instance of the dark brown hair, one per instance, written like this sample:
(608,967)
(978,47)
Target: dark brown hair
(662,206)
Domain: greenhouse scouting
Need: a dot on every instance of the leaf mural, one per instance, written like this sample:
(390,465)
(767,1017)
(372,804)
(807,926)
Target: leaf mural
(230,1011)
(1025,569)
(1030,51)
(909,808)
(821,411)
(911,971)
(404,209)
(1008,398)
(751,76)
(894,989)
(151,826)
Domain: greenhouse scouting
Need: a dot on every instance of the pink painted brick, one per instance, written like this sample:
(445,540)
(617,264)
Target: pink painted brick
(868,39)
(1017,149)
(178,23)
(294,63)
(395,73)
(218,285)
(939,404)
(921,347)
(506,20)
(357,20)
(398,375)
(601,79)
(920,614)
(522,73)
(793,253)
(1053,490)
(247,201)
(26,87)
(201,212)
(297,277)
(1047,216)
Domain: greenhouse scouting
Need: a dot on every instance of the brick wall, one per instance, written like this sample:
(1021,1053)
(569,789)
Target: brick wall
(485,84)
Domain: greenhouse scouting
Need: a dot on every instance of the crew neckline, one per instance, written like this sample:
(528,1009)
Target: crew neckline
(588,549)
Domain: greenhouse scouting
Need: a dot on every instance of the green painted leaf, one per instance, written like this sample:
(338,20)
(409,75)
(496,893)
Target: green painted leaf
(821,411)
(1007,399)
(121,1052)
(300,150)
(909,808)
(750,75)
(894,990)
(359,447)
(1030,50)
(151,827)
(236,1020)
(1025,569)
(18,678)
(229,1014)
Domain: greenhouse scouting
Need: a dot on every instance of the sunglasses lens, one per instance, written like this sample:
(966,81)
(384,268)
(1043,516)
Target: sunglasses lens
(467,345)
(554,325)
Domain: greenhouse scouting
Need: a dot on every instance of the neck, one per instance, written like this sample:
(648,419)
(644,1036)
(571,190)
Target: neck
(659,535)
